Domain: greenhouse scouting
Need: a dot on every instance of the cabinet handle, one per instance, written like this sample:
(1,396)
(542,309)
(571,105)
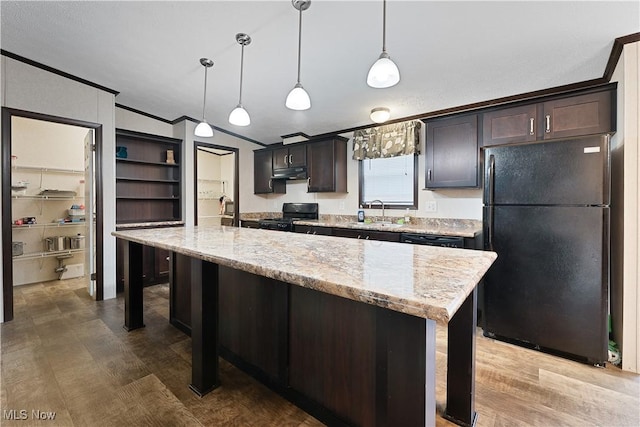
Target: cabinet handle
(290,159)
(308,183)
(285,159)
(359,236)
(308,231)
(547,123)
(270,187)
(531,128)
(366,238)
(429,174)
(314,233)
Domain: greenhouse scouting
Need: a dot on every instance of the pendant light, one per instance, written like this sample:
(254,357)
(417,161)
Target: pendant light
(239,116)
(298,98)
(203,129)
(384,72)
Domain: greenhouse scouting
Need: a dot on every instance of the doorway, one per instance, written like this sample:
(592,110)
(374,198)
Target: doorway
(216,184)
(52,202)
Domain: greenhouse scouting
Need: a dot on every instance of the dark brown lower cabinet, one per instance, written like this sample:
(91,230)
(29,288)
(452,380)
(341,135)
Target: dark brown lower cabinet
(387,236)
(155,265)
(343,361)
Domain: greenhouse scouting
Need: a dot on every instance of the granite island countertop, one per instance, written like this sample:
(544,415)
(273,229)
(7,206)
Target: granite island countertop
(424,281)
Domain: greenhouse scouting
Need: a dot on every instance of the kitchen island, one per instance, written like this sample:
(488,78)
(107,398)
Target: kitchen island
(359,316)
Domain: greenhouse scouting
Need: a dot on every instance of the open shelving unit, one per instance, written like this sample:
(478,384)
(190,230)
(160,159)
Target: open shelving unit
(49,207)
(148,187)
(148,192)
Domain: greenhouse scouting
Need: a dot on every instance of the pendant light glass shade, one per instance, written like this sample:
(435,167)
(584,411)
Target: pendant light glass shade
(298,98)
(203,129)
(384,72)
(239,116)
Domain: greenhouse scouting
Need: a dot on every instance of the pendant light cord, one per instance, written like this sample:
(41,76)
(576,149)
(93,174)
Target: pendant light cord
(241,68)
(384,25)
(299,42)
(204,100)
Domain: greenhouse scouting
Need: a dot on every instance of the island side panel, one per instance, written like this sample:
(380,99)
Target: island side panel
(133,287)
(461,364)
(365,364)
(254,319)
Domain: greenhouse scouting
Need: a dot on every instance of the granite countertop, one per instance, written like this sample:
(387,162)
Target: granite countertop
(424,281)
(438,226)
(446,227)
(154,224)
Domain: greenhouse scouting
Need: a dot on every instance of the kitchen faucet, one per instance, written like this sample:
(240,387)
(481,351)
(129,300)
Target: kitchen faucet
(381,203)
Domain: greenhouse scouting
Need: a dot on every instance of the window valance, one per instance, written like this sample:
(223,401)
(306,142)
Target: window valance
(397,139)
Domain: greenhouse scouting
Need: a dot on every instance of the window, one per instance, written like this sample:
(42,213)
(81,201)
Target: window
(394,180)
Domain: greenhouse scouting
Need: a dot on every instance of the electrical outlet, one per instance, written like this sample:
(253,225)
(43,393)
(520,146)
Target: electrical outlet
(431,206)
(341,206)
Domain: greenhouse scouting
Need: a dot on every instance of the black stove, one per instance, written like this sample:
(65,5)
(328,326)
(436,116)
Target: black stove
(290,213)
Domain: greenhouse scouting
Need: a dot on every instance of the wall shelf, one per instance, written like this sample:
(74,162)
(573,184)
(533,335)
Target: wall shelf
(145,162)
(50,225)
(40,255)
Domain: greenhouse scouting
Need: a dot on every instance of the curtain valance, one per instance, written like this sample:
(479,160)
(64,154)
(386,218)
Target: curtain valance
(397,139)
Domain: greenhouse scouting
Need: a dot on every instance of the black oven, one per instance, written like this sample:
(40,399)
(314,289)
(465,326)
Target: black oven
(290,213)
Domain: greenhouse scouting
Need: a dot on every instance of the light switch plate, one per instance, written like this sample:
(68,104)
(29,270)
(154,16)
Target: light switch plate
(431,206)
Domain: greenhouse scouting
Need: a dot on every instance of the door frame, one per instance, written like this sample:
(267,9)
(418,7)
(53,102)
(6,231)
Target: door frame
(236,174)
(7,275)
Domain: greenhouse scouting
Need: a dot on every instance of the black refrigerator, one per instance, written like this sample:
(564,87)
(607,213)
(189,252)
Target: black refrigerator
(546,214)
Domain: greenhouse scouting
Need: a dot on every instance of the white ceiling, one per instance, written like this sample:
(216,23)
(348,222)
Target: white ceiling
(449,53)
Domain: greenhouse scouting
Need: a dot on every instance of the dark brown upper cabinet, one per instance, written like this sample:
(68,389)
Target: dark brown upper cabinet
(507,125)
(327,165)
(452,152)
(588,114)
(290,157)
(570,116)
(262,173)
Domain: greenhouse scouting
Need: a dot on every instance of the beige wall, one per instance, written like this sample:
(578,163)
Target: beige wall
(629,75)
(32,89)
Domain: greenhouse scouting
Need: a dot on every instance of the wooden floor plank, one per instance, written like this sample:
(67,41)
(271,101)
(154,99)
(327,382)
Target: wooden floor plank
(66,353)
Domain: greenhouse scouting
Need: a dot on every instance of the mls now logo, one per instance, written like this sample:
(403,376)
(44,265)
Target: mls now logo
(15,414)
(23,414)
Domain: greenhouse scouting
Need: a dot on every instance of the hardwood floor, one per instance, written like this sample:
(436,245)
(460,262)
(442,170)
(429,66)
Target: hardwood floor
(67,354)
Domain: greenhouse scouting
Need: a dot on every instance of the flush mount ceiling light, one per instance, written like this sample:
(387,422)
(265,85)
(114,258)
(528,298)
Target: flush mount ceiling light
(203,129)
(239,116)
(298,98)
(380,114)
(384,72)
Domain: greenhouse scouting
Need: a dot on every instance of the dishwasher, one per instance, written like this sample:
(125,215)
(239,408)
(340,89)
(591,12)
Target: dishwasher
(432,240)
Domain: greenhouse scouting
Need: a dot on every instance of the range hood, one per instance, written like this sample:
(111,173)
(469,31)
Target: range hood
(298,172)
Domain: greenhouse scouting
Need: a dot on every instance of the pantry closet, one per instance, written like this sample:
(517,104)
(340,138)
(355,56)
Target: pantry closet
(52,201)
